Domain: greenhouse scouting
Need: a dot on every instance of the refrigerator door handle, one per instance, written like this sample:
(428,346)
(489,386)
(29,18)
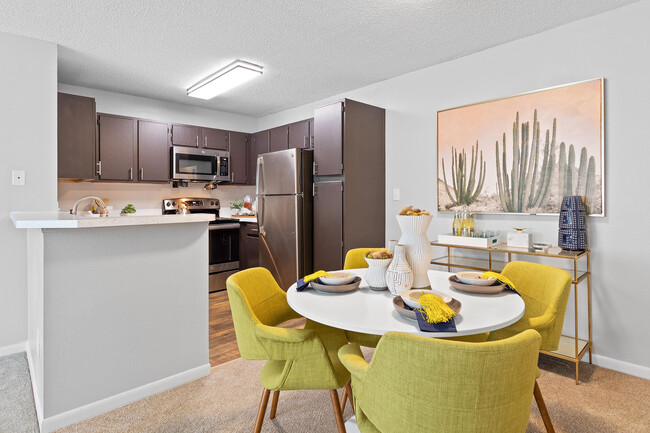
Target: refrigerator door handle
(260,219)
(259,174)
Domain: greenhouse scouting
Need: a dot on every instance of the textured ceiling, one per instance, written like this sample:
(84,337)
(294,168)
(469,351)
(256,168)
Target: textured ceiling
(309,49)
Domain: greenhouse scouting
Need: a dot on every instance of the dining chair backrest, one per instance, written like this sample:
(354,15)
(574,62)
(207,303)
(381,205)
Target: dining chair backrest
(544,289)
(255,298)
(355,258)
(421,384)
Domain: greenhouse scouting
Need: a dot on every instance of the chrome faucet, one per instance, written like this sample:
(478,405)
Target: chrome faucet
(73,211)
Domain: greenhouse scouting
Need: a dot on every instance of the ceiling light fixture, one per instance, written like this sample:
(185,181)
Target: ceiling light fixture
(236,73)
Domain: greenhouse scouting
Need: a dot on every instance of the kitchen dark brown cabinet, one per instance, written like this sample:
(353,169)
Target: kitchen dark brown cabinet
(259,144)
(328,225)
(238,155)
(279,138)
(299,137)
(77,120)
(153,151)
(213,139)
(328,139)
(185,135)
(117,147)
(248,245)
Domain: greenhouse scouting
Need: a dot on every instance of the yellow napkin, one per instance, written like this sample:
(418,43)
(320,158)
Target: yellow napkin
(500,278)
(435,309)
(315,275)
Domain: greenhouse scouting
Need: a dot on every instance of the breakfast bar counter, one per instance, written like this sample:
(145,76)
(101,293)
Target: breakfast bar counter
(118,309)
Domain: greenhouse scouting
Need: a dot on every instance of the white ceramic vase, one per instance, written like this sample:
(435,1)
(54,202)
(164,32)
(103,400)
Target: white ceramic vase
(399,276)
(376,273)
(418,248)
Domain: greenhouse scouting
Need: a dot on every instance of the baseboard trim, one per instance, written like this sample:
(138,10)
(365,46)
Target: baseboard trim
(622,366)
(61,420)
(12,348)
(37,399)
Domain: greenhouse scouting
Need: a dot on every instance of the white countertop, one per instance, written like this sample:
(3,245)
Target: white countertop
(63,220)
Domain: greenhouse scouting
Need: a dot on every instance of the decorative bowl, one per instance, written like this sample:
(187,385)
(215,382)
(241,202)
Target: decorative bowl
(474,278)
(412,297)
(455,283)
(340,288)
(337,279)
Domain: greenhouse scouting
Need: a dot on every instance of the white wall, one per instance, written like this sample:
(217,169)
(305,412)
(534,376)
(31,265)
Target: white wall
(613,45)
(28,122)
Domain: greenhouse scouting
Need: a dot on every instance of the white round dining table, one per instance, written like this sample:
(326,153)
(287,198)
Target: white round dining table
(371,312)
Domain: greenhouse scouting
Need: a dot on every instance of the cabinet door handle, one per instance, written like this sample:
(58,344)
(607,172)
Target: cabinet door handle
(99,168)
(311,141)
(315,168)
(197,141)
(232,176)
(141,173)
(131,173)
(205,141)
(305,142)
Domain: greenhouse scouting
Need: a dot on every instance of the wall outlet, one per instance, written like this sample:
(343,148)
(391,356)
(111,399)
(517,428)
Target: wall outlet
(18,177)
(395,194)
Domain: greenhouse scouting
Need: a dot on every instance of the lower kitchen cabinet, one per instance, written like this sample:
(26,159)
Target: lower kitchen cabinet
(328,225)
(248,245)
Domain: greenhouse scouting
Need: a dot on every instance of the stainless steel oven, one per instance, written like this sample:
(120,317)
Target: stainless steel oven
(199,164)
(223,234)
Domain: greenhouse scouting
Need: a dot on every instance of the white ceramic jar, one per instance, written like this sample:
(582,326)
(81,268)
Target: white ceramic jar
(376,274)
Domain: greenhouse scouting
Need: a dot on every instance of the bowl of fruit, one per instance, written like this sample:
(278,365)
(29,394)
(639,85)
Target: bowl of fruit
(378,260)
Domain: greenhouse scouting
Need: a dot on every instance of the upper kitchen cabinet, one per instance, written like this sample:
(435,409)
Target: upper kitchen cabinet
(259,144)
(216,139)
(279,138)
(299,135)
(238,157)
(328,139)
(153,151)
(116,147)
(185,135)
(76,137)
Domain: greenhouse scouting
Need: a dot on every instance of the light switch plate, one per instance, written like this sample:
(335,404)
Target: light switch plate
(18,177)
(395,194)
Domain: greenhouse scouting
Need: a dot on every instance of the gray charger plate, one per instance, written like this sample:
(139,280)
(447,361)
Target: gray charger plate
(398,304)
(343,288)
(471,288)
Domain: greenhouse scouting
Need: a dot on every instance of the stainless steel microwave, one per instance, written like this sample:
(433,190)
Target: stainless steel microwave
(199,165)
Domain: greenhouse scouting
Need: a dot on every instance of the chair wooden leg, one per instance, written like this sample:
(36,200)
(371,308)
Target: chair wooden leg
(274,404)
(336,405)
(542,409)
(344,399)
(348,393)
(264,401)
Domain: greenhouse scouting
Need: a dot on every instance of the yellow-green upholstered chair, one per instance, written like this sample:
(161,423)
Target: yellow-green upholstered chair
(418,384)
(296,358)
(545,291)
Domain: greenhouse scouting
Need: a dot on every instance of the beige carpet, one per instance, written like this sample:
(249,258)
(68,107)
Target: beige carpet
(227,400)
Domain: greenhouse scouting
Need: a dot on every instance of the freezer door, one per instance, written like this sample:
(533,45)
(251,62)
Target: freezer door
(280,231)
(279,173)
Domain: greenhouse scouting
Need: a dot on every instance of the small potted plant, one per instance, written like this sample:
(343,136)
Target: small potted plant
(378,260)
(236,205)
(128,210)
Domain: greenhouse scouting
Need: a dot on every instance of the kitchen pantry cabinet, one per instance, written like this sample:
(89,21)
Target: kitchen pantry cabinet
(349,152)
(195,136)
(238,157)
(116,147)
(300,134)
(153,151)
(248,245)
(76,136)
(259,144)
(279,138)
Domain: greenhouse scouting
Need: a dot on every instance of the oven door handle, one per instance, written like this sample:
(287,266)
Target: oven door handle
(229,226)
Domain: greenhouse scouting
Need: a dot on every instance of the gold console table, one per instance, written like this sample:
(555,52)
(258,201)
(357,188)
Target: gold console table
(570,348)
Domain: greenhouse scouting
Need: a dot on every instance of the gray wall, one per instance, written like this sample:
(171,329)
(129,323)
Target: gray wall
(613,45)
(28,124)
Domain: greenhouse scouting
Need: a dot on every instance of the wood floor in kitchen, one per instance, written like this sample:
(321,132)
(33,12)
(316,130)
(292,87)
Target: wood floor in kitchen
(223,343)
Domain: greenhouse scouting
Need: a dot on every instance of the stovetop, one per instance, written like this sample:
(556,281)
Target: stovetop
(196,205)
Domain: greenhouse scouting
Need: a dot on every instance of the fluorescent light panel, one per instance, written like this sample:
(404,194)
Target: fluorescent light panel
(236,73)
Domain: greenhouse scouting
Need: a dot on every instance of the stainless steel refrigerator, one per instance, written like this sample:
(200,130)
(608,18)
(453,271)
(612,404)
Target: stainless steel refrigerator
(284,214)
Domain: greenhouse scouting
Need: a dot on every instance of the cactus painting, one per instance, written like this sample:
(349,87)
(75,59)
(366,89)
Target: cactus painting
(552,149)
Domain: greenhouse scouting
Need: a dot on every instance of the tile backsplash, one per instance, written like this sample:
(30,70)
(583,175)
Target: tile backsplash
(144,195)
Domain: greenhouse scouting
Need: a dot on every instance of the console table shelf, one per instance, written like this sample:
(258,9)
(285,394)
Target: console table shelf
(571,348)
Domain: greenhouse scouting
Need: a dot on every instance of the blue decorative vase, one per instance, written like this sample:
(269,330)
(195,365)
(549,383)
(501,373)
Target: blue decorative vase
(572,232)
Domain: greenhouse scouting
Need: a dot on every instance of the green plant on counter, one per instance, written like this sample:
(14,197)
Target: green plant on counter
(528,186)
(467,189)
(574,180)
(129,208)
(236,204)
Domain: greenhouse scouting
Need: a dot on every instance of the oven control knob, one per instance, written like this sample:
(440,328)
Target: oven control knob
(173,203)
(211,203)
(167,204)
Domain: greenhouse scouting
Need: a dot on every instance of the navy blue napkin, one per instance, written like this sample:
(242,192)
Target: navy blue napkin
(425,326)
(301,285)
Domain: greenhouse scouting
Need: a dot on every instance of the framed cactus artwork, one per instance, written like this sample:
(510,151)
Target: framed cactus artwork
(524,153)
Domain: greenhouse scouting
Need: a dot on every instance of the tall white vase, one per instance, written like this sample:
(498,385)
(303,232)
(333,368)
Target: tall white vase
(418,248)
(399,275)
